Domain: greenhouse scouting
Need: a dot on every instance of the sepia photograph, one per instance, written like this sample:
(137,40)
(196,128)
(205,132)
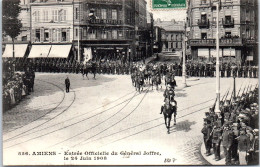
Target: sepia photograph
(130,82)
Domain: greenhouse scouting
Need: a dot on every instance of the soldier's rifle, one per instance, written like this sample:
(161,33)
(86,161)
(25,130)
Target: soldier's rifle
(225,95)
(239,90)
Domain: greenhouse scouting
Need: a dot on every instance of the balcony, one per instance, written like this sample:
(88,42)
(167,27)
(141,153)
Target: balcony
(251,41)
(203,23)
(105,2)
(212,42)
(228,22)
(105,21)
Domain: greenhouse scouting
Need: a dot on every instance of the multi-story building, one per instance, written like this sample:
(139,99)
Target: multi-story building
(237,29)
(23,39)
(51,28)
(158,31)
(104,26)
(172,37)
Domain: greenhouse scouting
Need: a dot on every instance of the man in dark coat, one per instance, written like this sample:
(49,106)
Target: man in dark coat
(227,141)
(67,83)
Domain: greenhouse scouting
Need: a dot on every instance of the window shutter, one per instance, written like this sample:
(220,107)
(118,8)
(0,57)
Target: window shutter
(33,35)
(59,35)
(50,35)
(68,35)
(41,35)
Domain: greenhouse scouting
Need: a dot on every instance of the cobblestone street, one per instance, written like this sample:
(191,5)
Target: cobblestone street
(107,114)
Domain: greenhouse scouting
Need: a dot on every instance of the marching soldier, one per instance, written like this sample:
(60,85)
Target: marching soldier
(216,139)
(206,130)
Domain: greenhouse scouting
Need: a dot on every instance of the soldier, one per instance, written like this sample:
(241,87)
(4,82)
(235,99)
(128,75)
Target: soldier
(245,70)
(239,69)
(250,70)
(206,130)
(227,141)
(228,70)
(67,83)
(216,139)
(255,71)
(234,147)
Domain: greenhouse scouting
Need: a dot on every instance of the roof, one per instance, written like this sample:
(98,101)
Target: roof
(170,25)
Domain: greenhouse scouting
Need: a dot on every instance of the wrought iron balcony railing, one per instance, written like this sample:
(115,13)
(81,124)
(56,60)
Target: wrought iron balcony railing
(228,22)
(203,23)
(212,42)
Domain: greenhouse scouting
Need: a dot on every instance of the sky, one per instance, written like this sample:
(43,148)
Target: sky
(178,15)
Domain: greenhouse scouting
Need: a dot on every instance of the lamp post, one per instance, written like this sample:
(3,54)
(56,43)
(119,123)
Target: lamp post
(217,61)
(184,56)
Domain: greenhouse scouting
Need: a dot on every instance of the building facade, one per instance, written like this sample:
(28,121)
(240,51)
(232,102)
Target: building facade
(172,35)
(108,28)
(237,30)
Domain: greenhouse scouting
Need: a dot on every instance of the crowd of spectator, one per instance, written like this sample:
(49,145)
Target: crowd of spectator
(235,130)
(16,85)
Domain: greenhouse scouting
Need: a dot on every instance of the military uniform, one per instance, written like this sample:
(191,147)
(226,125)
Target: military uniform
(206,131)
(216,139)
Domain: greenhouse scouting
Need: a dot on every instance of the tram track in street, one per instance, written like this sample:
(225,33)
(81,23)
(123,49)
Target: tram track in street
(59,103)
(50,119)
(48,127)
(68,125)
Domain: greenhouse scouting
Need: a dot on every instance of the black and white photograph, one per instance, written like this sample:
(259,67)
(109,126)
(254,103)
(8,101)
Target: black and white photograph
(130,82)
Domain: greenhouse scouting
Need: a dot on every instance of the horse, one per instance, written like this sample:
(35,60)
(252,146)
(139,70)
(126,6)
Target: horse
(156,79)
(133,77)
(139,82)
(89,67)
(169,80)
(168,109)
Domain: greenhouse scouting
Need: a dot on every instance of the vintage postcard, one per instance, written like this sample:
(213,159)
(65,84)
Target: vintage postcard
(130,82)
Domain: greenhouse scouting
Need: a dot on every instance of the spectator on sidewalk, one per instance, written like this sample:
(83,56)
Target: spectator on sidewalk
(243,146)
(67,83)
(227,141)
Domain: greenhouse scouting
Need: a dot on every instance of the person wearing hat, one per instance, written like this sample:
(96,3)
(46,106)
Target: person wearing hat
(243,146)
(67,84)
(227,141)
(206,130)
(255,148)
(216,139)
(234,154)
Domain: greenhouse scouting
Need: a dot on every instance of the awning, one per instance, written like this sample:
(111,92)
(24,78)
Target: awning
(19,50)
(229,52)
(203,52)
(249,58)
(59,51)
(213,52)
(39,51)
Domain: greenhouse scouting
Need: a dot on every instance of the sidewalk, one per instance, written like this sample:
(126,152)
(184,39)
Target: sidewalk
(211,158)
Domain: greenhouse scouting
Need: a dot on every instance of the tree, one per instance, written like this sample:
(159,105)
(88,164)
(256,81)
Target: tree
(11,24)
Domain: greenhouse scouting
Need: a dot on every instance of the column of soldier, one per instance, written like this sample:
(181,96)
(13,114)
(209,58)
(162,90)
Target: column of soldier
(235,129)
(16,85)
(112,66)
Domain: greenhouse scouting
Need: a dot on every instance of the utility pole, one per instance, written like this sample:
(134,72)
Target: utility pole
(184,56)
(217,62)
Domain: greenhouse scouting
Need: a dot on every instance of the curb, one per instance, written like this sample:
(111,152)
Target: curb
(210,159)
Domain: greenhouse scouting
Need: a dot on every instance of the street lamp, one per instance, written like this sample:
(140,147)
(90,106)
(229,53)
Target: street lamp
(217,61)
(184,56)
